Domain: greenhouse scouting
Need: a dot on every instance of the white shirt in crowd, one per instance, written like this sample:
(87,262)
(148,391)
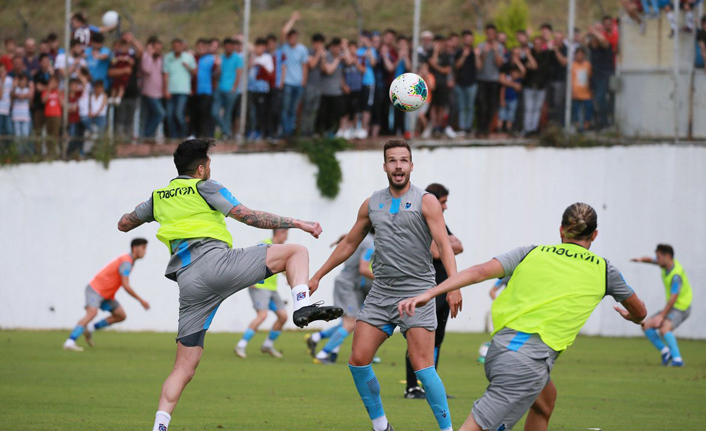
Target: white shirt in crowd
(20,109)
(65,62)
(5,100)
(84,102)
(99,105)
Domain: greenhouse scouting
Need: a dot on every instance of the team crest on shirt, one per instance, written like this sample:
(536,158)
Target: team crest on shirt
(408,205)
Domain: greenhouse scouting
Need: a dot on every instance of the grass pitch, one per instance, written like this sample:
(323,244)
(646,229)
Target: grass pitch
(608,383)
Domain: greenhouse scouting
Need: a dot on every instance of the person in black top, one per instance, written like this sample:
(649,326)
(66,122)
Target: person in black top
(413,391)
(440,66)
(603,67)
(125,112)
(41,80)
(556,89)
(466,65)
(539,62)
(701,41)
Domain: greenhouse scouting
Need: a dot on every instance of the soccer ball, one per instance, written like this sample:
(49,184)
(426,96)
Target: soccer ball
(408,92)
(110,18)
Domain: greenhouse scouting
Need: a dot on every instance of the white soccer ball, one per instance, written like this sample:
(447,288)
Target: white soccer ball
(408,92)
(111,18)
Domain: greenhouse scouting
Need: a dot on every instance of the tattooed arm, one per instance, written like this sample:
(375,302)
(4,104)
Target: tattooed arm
(265,220)
(346,247)
(129,222)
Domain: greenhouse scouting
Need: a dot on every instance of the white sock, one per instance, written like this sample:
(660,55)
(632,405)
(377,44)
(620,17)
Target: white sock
(690,20)
(321,355)
(677,359)
(300,296)
(448,429)
(316,337)
(161,421)
(672,20)
(380,424)
(243,343)
(268,343)
(665,350)
(336,349)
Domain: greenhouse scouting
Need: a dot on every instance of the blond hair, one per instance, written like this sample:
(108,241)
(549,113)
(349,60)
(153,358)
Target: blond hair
(579,221)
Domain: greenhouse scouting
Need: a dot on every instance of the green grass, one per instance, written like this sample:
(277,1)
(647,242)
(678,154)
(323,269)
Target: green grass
(611,383)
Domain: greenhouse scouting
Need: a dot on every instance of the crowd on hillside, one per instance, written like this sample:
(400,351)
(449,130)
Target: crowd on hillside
(332,87)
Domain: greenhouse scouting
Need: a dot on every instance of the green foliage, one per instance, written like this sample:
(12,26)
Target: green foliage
(104,152)
(553,136)
(322,153)
(511,16)
(9,154)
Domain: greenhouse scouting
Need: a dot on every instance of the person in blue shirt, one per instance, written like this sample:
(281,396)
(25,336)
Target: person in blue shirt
(261,73)
(368,55)
(227,94)
(295,76)
(274,98)
(98,59)
(208,65)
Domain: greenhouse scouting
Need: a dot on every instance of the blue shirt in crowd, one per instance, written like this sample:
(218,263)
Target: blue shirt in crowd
(98,68)
(295,57)
(369,75)
(204,76)
(280,59)
(229,69)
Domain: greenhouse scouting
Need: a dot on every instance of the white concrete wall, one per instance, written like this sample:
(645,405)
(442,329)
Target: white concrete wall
(59,222)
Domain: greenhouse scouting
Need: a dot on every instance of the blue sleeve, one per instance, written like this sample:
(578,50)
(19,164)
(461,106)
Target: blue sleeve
(368,254)
(676,285)
(94,29)
(125,268)
(499,282)
(217,196)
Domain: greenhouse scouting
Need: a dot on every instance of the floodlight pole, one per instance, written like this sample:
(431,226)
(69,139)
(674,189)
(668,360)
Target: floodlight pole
(244,75)
(569,67)
(675,99)
(415,57)
(67,42)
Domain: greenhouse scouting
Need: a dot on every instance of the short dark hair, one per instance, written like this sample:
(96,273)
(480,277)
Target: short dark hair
(335,41)
(153,39)
(98,83)
(97,37)
(137,242)
(260,41)
(52,37)
(547,26)
(703,20)
(605,17)
(439,38)
(396,143)
(581,49)
(390,30)
(79,16)
(192,153)
(271,37)
(74,42)
(665,249)
(467,32)
(291,33)
(43,56)
(491,26)
(366,33)
(201,40)
(437,190)
(228,41)
(318,37)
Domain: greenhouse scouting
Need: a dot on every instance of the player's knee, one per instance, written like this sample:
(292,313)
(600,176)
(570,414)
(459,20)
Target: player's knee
(358,360)
(300,250)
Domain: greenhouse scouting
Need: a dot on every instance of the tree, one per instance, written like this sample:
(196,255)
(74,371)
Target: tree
(511,17)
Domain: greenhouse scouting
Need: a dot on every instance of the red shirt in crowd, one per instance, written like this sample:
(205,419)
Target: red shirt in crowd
(7,61)
(52,104)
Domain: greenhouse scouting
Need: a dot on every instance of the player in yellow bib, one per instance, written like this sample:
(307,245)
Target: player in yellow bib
(552,292)
(265,298)
(677,310)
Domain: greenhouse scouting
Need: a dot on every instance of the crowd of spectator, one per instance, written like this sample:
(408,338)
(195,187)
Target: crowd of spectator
(334,87)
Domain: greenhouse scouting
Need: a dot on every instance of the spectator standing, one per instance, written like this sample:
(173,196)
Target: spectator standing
(557,81)
(152,88)
(295,76)
(98,109)
(31,60)
(423,112)
(426,46)
(312,91)
(208,66)
(55,48)
(539,63)
(41,81)
(6,58)
(368,56)
(75,146)
(125,112)
(274,97)
(21,117)
(81,31)
(6,83)
(179,67)
(84,104)
(512,75)
(466,64)
(332,82)
(123,61)
(227,93)
(403,64)
(53,101)
(261,70)
(69,64)
(353,71)
(98,59)
(491,58)
(701,44)
(603,67)
(581,105)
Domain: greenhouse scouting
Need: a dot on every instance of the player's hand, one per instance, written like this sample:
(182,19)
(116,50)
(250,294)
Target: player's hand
(313,285)
(493,294)
(657,321)
(296,15)
(408,305)
(455,300)
(311,227)
(145,304)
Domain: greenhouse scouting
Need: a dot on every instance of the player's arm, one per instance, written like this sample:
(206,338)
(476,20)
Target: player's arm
(456,246)
(431,209)
(346,247)
(496,288)
(467,277)
(126,285)
(129,222)
(634,311)
(644,259)
(265,220)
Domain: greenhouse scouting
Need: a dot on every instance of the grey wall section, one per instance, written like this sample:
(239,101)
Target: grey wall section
(59,222)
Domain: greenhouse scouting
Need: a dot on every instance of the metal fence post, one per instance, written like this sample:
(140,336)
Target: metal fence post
(246,72)
(675,98)
(67,42)
(412,116)
(569,67)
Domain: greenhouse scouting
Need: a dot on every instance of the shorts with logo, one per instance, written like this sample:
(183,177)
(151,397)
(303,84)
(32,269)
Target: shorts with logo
(348,296)
(677,317)
(263,299)
(208,281)
(516,379)
(380,311)
(95,300)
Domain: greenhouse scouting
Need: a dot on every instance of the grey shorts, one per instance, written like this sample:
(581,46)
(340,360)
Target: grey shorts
(677,317)
(515,381)
(380,311)
(263,299)
(348,296)
(206,283)
(95,300)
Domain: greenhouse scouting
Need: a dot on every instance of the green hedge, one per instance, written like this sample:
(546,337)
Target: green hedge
(322,153)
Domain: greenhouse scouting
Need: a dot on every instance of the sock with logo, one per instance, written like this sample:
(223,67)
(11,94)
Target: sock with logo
(78,330)
(300,296)
(161,421)
(102,324)
(436,396)
(369,391)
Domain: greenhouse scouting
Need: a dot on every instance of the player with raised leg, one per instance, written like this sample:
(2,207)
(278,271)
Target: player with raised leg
(100,295)
(265,298)
(552,292)
(660,327)
(406,219)
(191,211)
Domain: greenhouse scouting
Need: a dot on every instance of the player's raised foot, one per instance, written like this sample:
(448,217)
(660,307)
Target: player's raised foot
(88,333)
(324,361)
(415,393)
(314,312)
(240,352)
(270,350)
(666,358)
(677,363)
(310,345)
(71,345)
(389,428)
